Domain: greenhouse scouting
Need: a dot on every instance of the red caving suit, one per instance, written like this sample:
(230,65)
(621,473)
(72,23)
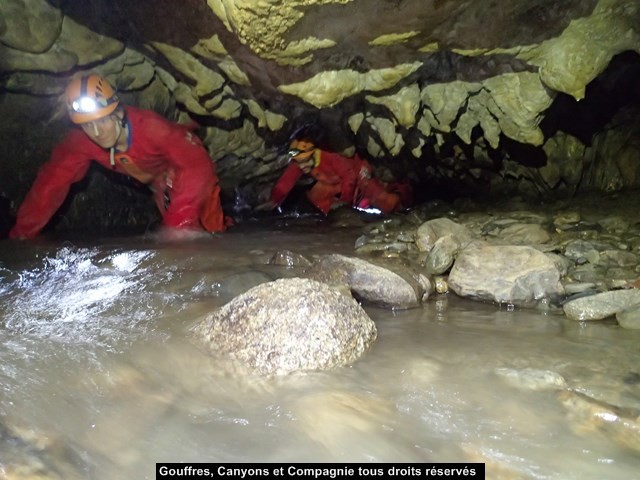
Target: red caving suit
(338,179)
(163,154)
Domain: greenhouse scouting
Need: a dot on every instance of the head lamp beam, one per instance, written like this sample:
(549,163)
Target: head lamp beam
(84,105)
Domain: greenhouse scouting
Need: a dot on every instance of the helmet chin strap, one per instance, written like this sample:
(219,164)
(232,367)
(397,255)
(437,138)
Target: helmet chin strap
(112,150)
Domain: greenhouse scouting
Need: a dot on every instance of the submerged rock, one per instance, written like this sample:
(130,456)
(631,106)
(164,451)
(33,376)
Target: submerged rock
(28,454)
(287,258)
(532,378)
(352,425)
(620,425)
(629,318)
(289,325)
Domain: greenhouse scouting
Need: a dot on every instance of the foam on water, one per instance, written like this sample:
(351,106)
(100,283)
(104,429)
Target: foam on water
(78,295)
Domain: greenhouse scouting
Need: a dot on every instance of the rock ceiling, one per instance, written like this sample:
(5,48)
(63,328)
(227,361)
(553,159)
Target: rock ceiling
(427,89)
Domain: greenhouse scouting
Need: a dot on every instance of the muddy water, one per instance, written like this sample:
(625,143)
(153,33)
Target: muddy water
(99,380)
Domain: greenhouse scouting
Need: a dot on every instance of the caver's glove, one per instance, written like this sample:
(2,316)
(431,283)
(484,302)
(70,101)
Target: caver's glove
(365,173)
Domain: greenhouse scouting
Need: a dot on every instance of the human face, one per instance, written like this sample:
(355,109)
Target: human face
(305,160)
(307,165)
(103,131)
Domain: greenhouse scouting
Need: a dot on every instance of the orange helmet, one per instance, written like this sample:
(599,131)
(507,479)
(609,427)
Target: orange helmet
(301,150)
(89,98)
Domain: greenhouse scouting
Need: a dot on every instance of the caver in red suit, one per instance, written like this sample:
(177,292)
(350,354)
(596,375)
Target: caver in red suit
(135,142)
(339,180)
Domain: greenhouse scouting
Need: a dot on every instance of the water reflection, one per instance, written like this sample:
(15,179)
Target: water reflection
(96,371)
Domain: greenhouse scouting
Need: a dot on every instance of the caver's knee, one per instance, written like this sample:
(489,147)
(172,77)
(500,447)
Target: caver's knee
(320,200)
(387,202)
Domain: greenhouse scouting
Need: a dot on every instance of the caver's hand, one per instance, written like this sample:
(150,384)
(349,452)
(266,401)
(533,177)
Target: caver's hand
(365,173)
(17,234)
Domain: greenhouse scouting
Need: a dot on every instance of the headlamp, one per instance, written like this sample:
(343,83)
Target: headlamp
(294,154)
(90,105)
(84,105)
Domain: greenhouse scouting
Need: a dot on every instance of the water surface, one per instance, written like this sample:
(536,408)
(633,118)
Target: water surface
(97,371)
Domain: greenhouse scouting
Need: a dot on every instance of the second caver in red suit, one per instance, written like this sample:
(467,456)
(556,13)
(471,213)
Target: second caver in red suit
(339,180)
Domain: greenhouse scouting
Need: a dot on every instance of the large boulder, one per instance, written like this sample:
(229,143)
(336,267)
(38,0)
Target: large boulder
(602,305)
(371,283)
(505,274)
(288,325)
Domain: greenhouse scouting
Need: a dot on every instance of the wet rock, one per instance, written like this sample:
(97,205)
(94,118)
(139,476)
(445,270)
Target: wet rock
(566,220)
(590,247)
(619,278)
(614,224)
(30,455)
(429,232)
(588,415)
(629,318)
(384,249)
(525,234)
(363,240)
(587,273)
(579,288)
(442,255)
(288,325)
(617,258)
(138,400)
(496,226)
(581,249)
(369,282)
(238,283)
(505,274)
(343,422)
(601,305)
(562,263)
(495,468)
(531,378)
(288,258)
(441,284)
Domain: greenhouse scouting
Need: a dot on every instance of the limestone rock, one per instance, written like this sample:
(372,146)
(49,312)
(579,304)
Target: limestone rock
(601,305)
(532,379)
(33,27)
(629,318)
(505,274)
(432,230)
(287,326)
(588,415)
(369,282)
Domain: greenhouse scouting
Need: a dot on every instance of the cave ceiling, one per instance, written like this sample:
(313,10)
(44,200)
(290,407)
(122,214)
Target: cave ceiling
(422,88)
